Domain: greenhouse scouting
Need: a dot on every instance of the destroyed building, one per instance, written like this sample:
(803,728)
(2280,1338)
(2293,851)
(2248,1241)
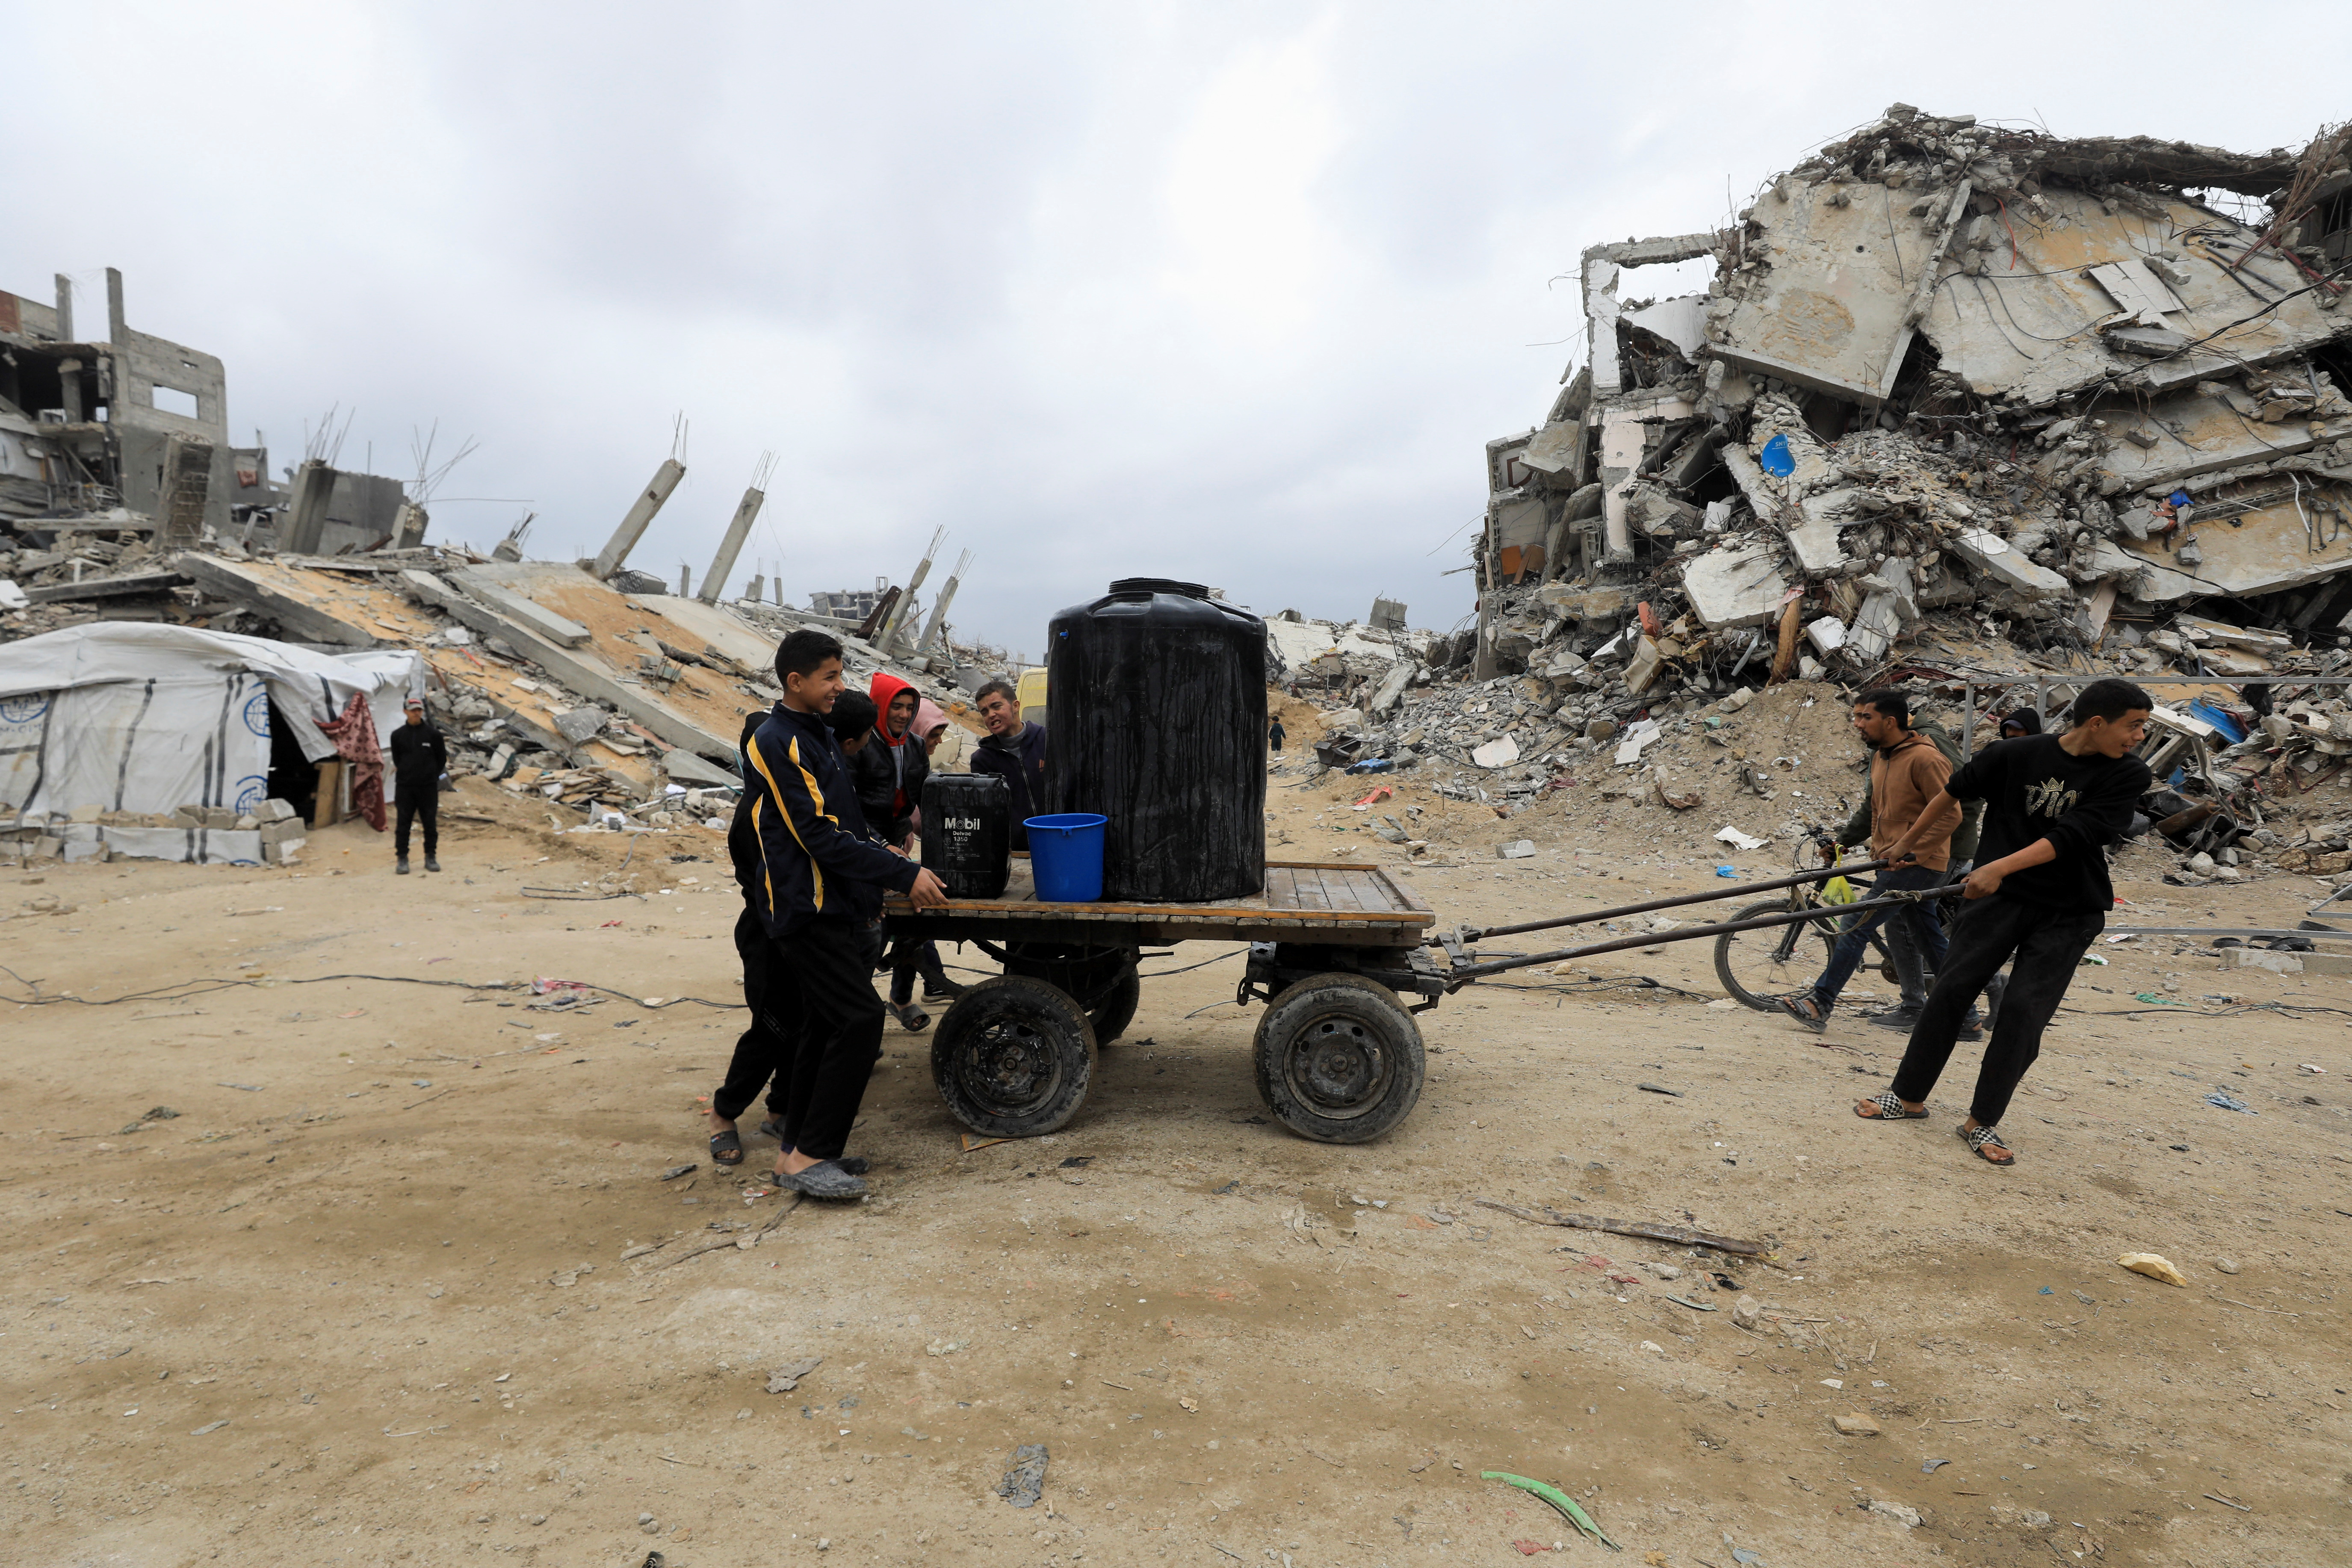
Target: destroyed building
(1964,407)
(2066,388)
(132,426)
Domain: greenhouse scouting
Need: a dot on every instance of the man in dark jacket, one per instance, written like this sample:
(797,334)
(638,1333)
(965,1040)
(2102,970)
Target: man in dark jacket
(815,877)
(1013,750)
(763,1052)
(419,758)
(2039,895)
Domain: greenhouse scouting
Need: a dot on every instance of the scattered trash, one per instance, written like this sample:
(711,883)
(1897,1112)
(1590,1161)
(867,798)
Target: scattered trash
(2153,1000)
(2299,1067)
(209,1427)
(1739,840)
(1076,1160)
(785,1379)
(1902,1513)
(675,1172)
(1025,1483)
(2154,1267)
(1854,1426)
(2045,1290)
(1654,1347)
(972,1143)
(1659,1088)
(1932,1466)
(2228,1101)
(1693,1306)
(1518,849)
(1728,871)
(1557,1499)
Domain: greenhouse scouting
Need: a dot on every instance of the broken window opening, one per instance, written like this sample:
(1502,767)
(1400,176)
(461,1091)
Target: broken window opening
(171,400)
(1647,360)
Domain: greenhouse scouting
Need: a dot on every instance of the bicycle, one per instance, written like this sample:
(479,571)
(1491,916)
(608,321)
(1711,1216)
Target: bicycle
(1758,967)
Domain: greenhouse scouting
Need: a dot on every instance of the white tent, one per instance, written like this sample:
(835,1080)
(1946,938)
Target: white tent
(138,717)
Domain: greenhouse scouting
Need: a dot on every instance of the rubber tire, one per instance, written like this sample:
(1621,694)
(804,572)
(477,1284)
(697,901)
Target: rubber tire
(1371,1013)
(1045,1025)
(1827,926)
(1111,1017)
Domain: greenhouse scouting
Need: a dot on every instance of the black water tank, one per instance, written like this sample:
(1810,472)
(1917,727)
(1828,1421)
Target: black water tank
(968,832)
(1155,717)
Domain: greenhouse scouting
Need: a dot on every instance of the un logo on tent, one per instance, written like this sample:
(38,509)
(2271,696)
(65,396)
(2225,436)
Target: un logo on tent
(251,792)
(24,708)
(256,713)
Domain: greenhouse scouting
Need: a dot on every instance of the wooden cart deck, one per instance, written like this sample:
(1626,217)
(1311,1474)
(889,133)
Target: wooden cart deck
(1304,901)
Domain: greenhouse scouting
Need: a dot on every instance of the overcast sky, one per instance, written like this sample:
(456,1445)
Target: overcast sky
(1231,293)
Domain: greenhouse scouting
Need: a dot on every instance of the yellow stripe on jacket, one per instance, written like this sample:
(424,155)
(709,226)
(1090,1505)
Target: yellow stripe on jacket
(816,807)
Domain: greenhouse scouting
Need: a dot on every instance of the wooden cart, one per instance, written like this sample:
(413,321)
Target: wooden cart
(1332,949)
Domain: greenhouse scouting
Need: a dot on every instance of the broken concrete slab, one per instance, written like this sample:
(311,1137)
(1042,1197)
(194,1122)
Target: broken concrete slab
(2266,550)
(577,725)
(128,584)
(1500,753)
(514,606)
(303,617)
(583,671)
(1991,556)
(1393,687)
(1736,585)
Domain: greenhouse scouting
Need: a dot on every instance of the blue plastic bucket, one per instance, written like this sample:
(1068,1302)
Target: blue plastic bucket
(1065,857)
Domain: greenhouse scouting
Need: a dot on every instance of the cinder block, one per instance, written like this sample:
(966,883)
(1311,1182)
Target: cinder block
(2263,958)
(275,810)
(290,830)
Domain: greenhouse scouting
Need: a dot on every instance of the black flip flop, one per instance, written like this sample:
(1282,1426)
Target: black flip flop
(727,1148)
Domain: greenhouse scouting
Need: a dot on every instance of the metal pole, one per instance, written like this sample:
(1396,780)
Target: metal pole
(1461,974)
(1479,933)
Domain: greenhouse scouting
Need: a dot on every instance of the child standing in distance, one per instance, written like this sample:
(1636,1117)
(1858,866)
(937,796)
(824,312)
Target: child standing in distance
(2039,895)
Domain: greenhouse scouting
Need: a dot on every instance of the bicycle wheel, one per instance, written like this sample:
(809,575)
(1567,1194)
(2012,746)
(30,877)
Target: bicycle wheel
(1759,965)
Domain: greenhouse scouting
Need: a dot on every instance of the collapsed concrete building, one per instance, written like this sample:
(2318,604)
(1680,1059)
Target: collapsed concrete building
(2067,387)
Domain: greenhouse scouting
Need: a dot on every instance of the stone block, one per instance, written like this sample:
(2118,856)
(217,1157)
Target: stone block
(1735,587)
(2264,958)
(275,810)
(284,830)
(1990,555)
(577,724)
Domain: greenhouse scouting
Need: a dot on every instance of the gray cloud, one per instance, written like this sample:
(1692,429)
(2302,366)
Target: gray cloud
(1229,293)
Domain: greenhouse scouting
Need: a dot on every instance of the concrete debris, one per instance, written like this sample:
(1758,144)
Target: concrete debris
(2021,397)
(587,685)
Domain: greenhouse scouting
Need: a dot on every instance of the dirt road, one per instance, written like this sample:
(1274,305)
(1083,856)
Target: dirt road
(377,1291)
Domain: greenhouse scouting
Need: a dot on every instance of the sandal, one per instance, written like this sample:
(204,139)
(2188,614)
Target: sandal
(727,1148)
(910,1015)
(1982,1139)
(1889,1108)
(1806,1011)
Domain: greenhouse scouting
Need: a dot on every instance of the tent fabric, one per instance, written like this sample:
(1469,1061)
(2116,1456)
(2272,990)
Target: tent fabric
(139,717)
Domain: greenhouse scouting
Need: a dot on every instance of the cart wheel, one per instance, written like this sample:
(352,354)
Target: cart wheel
(1759,965)
(1112,1014)
(1887,972)
(1013,1057)
(1339,1058)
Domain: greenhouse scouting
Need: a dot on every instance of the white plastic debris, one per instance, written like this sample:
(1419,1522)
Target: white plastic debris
(1737,839)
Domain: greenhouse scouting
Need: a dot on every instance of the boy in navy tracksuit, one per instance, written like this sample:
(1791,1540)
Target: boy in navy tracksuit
(814,877)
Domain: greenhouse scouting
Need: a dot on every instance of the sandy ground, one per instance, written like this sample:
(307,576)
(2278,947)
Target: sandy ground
(369,1297)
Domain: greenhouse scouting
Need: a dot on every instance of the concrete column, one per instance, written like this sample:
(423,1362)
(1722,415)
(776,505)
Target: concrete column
(615,552)
(904,609)
(306,515)
(65,308)
(114,333)
(685,581)
(69,374)
(938,615)
(714,581)
(780,590)
(758,587)
(408,526)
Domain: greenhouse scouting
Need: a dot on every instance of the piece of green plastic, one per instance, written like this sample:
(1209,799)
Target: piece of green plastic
(1559,1500)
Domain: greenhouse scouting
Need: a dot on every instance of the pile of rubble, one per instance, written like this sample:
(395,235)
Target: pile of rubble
(1950,378)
